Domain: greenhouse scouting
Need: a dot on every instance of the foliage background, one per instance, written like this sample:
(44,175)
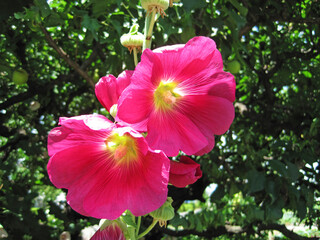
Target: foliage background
(262,175)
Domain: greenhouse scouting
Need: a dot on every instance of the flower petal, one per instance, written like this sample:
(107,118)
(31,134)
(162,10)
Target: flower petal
(111,232)
(106,92)
(184,172)
(134,105)
(77,131)
(210,113)
(144,190)
(173,131)
(223,85)
(109,88)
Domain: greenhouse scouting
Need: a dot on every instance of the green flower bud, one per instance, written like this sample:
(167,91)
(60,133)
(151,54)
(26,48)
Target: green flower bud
(105,223)
(164,213)
(132,41)
(158,5)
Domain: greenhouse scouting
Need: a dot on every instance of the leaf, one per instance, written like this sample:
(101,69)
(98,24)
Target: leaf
(91,24)
(128,218)
(256,181)
(192,4)
(293,172)
(44,8)
(302,209)
(274,211)
(307,74)
(279,167)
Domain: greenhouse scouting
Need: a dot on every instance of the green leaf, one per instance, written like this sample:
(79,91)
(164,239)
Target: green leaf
(44,7)
(307,74)
(274,211)
(192,4)
(279,167)
(129,219)
(293,172)
(302,209)
(256,181)
(91,24)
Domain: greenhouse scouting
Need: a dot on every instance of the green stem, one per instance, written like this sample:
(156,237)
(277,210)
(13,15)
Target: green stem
(138,225)
(148,229)
(135,56)
(149,23)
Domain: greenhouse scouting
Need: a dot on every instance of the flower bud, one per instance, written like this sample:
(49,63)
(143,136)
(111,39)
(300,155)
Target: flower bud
(110,229)
(131,41)
(158,5)
(164,213)
(34,105)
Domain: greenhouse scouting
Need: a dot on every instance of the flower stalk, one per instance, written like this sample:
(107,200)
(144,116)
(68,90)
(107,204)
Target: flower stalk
(149,24)
(154,222)
(135,56)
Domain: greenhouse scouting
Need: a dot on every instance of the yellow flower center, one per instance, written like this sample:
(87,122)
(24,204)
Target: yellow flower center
(123,148)
(166,96)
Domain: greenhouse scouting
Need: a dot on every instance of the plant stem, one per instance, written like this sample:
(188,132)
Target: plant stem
(148,229)
(135,56)
(149,23)
(138,225)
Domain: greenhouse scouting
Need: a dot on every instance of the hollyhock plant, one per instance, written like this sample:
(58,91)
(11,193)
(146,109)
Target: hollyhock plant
(182,95)
(184,172)
(109,89)
(106,168)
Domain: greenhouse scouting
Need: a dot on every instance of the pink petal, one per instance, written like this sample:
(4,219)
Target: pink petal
(210,113)
(111,232)
(184,172)
(172,132)
(223,85)
(109,88)
(106,91)
(142,190)
(123,81)
(182,63)
(77,131)
(134,105)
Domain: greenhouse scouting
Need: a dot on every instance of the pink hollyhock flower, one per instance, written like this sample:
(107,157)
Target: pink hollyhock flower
(183,96)
(109,88)
(106,169)
(184,172)
(110,230)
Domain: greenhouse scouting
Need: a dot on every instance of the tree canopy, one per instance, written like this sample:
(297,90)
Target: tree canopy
(262,175)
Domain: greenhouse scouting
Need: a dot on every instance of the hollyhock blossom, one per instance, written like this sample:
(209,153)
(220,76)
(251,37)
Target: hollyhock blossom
(184,172)
(106,168)
(109,88)
(109,230)
(182,95)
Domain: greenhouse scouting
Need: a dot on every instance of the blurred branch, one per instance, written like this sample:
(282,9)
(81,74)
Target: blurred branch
(231,230)
(285,231)
(17,98)
(92,57)
(66,57)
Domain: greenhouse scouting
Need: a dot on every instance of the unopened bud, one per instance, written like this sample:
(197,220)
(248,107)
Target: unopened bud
(132,41)
(158,5)
(34,105)
(164,213)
